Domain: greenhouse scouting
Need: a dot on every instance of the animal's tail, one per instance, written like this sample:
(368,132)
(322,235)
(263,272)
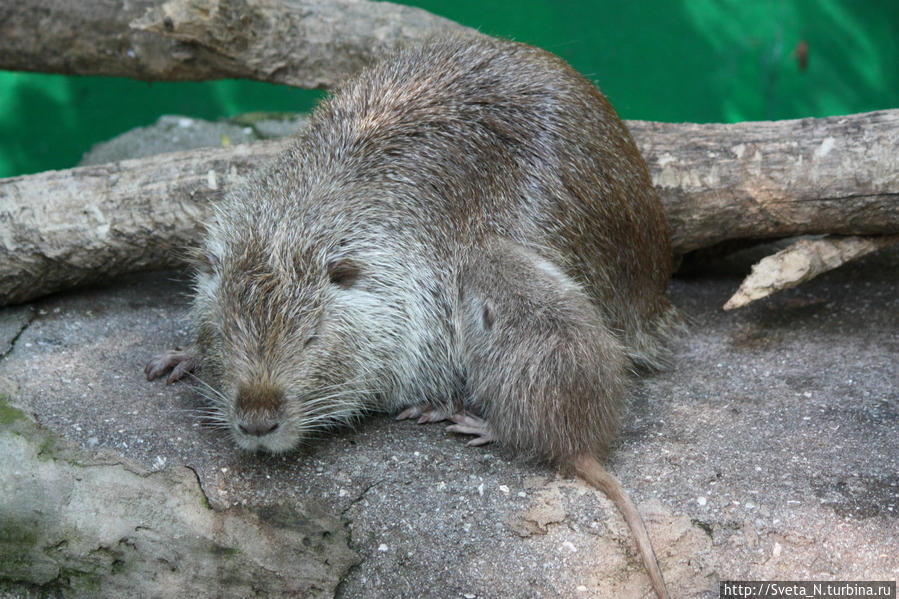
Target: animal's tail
(594,473)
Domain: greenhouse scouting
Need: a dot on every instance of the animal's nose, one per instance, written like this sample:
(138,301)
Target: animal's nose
(259,409)
(258,429)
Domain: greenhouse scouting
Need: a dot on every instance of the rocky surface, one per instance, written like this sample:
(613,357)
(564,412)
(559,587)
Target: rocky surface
(769,450)
(96,524)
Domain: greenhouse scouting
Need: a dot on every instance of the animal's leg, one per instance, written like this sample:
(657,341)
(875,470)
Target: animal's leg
(540,364)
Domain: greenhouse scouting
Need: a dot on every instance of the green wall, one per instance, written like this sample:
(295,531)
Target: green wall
(666,60)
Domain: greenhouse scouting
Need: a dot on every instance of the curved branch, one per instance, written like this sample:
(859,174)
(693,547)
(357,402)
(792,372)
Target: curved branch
(304,43)
(803,261)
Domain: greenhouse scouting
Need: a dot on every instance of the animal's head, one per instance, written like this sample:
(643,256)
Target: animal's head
(280,316)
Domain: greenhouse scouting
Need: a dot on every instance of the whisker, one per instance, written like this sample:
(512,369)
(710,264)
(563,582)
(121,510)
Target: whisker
(209,399)
(213,419)
(210,393)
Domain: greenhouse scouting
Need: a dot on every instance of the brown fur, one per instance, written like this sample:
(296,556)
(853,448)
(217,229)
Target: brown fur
(466,219)
(544,370)
(541,364)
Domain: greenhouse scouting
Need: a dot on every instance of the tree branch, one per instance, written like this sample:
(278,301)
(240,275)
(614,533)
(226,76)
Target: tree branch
(64,228)
(803,261)
(775,178)
(304,43)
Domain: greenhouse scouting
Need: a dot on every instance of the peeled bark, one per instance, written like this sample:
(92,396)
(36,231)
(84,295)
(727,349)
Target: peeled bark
(803,261)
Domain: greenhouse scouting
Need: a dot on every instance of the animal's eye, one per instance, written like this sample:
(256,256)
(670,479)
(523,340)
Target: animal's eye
(343,272)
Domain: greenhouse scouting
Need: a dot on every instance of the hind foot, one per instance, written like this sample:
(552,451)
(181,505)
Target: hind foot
(181,363)
(426,413)
(469,424)
(466,423)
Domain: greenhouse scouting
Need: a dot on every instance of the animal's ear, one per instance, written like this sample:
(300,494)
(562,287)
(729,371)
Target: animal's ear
(343,272)
(488,315)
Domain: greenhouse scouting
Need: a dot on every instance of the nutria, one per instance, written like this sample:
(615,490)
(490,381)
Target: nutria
(465,230)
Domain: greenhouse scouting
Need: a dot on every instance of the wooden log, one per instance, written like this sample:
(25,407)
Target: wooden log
(718,182)
(64,228)
(775,178)
(305,43)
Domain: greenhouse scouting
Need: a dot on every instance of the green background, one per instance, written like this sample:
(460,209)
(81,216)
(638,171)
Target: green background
(664,60)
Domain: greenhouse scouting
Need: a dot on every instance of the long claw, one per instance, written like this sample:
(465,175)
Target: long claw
(433,415)
(464,423)
(179,362)
(478,441)
(467,423)
(463,429)
(410,412)
(182,369)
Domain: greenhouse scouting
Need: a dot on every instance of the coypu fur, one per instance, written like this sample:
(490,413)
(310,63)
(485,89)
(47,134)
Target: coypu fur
(464,229)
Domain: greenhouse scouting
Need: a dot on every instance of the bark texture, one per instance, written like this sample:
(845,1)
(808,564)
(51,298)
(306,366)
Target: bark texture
(305,43)
(64,228)
(775,179)
(803,261)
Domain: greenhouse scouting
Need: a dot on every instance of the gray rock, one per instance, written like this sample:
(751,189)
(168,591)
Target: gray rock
(101,525)
(271,125)
(171,133)
(12,322)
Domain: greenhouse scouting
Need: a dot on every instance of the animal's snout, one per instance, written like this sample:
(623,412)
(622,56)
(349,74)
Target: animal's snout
(259,409)
(259,398)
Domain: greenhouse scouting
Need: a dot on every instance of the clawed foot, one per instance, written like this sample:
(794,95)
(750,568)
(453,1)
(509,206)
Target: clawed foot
(426,413)
(181,363)
(467,423)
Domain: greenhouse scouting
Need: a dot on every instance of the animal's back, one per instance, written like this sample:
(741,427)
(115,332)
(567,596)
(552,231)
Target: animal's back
(461,139)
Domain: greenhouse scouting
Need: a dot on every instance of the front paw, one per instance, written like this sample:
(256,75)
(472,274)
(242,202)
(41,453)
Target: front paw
(181,363)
